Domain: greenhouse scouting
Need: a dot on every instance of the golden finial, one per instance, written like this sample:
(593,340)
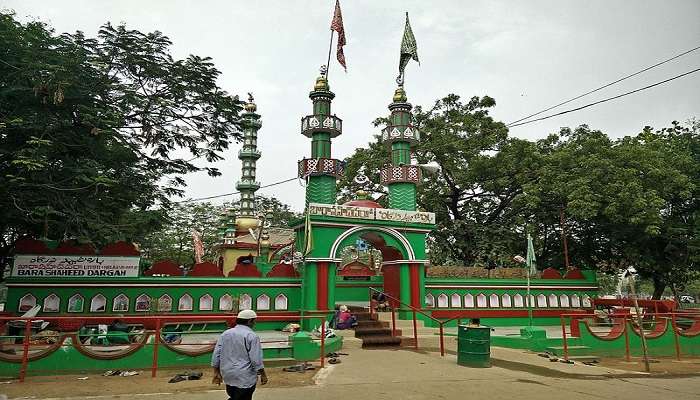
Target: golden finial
(400,95)
(322,81)
(250,105)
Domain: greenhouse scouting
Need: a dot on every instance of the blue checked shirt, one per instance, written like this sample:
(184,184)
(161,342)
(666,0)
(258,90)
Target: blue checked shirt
(238,355)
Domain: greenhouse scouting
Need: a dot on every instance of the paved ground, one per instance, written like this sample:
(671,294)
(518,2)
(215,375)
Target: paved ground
(406,375)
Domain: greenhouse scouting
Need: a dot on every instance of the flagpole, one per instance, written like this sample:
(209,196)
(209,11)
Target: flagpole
(529,302)
(330,49)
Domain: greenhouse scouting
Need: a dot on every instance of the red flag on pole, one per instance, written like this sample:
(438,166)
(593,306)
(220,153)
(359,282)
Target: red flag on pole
(337,25)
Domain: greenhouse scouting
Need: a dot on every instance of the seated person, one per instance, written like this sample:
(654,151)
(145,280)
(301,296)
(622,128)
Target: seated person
(380,301)
(345,319)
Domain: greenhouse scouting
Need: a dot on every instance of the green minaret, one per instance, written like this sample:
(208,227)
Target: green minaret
(401,177)
(320,169)
(249,155)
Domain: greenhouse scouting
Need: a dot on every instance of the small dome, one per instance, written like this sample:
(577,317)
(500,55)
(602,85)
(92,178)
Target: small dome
(363,203)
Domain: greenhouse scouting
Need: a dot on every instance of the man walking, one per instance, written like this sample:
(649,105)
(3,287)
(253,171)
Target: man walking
(237,358)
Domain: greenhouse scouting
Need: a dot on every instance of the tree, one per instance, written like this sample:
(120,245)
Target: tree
(96,133)
(482,171)
(174,240)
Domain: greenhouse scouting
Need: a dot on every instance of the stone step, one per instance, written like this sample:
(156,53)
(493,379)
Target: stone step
(381,341)
(364,332)
(372,324)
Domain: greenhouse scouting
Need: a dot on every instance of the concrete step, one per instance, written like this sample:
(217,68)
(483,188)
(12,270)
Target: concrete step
(372,324)
(400,323)
(364,332)
(381,341)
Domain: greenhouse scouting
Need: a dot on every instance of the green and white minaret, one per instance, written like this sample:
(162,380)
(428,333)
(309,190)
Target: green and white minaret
(249,156)
(320,170)
(400,176)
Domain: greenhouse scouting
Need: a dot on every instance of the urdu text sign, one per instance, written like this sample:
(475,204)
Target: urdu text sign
(75,266)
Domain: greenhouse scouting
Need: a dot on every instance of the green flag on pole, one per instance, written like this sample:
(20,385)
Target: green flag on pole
(531,268)
(409,49)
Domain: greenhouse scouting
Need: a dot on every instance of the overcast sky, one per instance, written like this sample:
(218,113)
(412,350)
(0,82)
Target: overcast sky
(528,55)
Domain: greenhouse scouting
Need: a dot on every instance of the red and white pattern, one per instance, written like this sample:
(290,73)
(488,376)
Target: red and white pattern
(337,25)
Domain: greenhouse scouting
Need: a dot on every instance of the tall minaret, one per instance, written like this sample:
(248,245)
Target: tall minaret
(249,155)
(401,177)
(321,170)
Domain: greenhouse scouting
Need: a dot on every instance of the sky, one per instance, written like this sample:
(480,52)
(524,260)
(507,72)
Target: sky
(528,55)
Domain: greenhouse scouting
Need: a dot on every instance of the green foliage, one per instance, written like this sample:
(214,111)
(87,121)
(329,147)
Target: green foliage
(96,132)
(173,241)
(632,201)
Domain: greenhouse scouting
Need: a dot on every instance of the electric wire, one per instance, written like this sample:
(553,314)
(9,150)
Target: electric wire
(232,193)
(605,100)
(605,86)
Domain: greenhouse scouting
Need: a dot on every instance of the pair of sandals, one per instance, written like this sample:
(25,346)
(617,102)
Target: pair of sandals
(187,376)
(299,368)
(120,373)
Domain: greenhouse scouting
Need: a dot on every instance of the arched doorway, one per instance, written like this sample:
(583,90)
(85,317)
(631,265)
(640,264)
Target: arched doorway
(363,253)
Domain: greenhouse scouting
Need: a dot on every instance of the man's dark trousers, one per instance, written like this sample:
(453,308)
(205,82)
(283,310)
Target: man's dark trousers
(236,393)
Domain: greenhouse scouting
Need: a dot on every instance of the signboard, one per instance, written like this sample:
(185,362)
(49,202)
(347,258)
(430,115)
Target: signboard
(333,210)
(380,214)
(75,266)
(413,217)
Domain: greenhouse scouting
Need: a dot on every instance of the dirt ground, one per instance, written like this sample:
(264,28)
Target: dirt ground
(657,365)
(41,387)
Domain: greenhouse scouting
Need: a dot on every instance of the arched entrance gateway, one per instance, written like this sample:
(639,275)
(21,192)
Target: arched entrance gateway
(350,247)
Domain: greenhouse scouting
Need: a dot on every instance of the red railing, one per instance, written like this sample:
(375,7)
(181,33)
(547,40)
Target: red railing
(414,312)
(621,322)
(159,322)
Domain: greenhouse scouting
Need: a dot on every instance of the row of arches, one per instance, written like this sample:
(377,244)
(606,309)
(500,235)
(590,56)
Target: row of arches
(145,303)
(506,301)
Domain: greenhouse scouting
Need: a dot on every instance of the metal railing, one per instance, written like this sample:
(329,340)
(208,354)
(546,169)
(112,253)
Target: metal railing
(159,323)
(622,321)
(414,311)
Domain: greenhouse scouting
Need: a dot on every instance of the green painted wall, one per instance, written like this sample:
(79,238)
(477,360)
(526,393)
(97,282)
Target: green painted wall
(189,286)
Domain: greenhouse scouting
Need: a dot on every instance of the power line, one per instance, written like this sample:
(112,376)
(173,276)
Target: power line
(605,100)
(604,86)
(232,193)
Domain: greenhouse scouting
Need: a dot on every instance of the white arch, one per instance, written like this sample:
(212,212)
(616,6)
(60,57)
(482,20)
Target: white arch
(586,301)
(481,300)
(494,301)
(442,301)
(506,300)
(575,300)
(206,302)
(185,303)
(393,232)
(165,303)
(281,302)
(541,300)
(120,303)
(76,303)
(262,302)
(456,300)
(27,302)
(226,303)
(468,300)
(245,302)
(429,300)
(52,303)
(518,300)
(553,300)
(564,300)
(98,303)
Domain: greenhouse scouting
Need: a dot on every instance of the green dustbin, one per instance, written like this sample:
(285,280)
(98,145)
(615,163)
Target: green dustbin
(474,346)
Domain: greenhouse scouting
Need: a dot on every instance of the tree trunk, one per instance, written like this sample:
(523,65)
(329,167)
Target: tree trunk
(659,287)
